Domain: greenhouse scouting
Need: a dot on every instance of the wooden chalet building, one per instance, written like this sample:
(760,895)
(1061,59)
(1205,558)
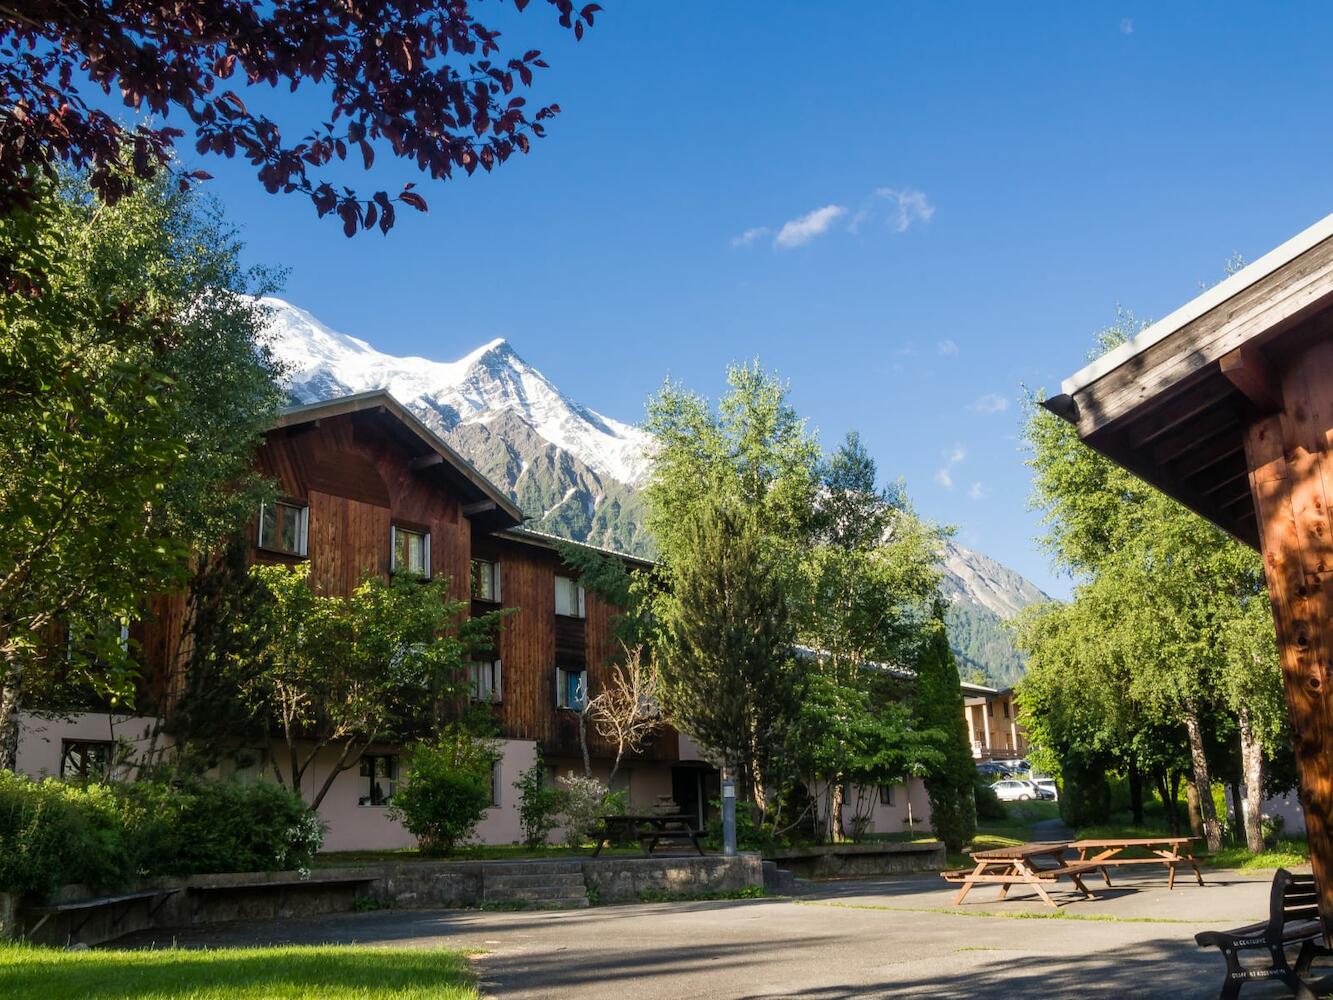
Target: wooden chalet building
(365,487)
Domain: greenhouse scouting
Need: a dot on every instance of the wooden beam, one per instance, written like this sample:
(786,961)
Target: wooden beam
(1218,423)
(425,461)
(1178,412)
(1291,481)
(1249,371)
(480,507)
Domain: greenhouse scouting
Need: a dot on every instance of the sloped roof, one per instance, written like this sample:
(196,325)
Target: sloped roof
(1171,405)
(485,502)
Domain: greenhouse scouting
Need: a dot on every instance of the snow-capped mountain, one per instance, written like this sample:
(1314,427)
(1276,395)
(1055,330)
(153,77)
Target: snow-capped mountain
(575,472)
(476,389)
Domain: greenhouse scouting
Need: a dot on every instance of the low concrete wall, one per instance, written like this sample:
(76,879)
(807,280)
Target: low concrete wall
(844,860)
(207,899)
(615,880)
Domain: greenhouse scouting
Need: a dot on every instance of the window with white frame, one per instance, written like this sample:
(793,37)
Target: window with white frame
(486,679)
(568,597)
(496,784)
(379,779)
(284,527)
(485,580)
(409,551)
(571,688)
(86,760)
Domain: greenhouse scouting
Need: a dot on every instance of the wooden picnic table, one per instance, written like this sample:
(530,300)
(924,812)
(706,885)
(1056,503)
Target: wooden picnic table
(1169,851)
(1037,865)
(650,830)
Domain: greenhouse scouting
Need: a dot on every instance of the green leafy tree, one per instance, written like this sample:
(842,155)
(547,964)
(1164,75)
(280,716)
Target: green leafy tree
(346,672)
(938,704)
(865,589)
(1159,591)
(448,788)
(726,651)
(133,387)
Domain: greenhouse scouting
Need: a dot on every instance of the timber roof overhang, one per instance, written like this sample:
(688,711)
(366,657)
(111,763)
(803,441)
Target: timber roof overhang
(546,540)
(484,503)
(1171,405)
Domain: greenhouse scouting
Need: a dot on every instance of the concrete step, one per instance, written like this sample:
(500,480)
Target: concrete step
(526,881)
(531,868)
(535,894)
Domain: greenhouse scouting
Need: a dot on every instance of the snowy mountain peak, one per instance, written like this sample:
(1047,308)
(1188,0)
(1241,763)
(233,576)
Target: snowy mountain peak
(475,389)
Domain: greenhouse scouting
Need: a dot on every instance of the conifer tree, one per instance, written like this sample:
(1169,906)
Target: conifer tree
(950,781)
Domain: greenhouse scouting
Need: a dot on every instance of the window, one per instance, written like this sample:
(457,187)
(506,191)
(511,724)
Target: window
(283,527)
(485,580)
(496,779)
(410,551)
(89,760)
(379,773)
(571,689)
(568,597)
(486,680)
(886,795)
(1006,708)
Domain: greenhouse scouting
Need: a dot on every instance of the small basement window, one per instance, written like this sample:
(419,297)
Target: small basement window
(485,580)
(379,779)
(284,527)
(571,689)
(568,597)
(410,551)
(86,760)
(486,679)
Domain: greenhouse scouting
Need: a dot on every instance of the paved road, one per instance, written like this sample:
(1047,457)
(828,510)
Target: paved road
(839,940)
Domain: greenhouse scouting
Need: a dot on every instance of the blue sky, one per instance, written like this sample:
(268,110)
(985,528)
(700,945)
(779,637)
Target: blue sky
(943,204)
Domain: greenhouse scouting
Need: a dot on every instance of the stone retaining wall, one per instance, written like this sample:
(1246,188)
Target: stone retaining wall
(404,885)
(847,860)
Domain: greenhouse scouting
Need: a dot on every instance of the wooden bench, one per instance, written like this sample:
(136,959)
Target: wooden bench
(1037,865)
(90,906)
(649,831)
(1293,918)
(1169,851)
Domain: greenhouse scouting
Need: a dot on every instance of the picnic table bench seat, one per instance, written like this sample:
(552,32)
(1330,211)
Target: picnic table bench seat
(651,831)
(95,903)
(1110,852)
(1293,918)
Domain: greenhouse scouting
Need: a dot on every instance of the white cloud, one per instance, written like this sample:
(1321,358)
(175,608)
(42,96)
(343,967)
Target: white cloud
(1127,26)
(948,348)
(952,457)
(977,492)
(804,229)
(750,236)
(992,402)
(910,205)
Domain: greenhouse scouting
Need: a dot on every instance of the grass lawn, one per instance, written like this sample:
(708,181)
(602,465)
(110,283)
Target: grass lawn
(326,972)
(471,852)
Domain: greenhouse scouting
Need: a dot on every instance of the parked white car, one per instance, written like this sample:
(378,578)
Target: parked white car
(1014,791)
(1048,785)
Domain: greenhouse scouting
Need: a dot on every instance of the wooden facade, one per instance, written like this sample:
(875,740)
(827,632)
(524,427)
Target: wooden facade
(1227,405)
(362,466)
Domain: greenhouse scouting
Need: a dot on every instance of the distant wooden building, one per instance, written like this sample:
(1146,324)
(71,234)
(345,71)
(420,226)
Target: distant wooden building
(1227,405)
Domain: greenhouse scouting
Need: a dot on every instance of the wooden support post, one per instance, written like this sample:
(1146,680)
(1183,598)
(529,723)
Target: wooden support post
(1291,480)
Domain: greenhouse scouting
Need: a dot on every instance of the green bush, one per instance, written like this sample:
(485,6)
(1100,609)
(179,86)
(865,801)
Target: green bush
(1085,798)
(220,826)
(989,806)
(584,801)
(448,789)
(539,804)
(750,836)
(55,833)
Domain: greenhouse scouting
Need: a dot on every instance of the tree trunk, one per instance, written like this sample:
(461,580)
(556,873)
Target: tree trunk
(583,742)
(1192,807)
(837,792)
(1202,780)
(11,700)
(1252,767)
(1168,802)
(1135,793)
